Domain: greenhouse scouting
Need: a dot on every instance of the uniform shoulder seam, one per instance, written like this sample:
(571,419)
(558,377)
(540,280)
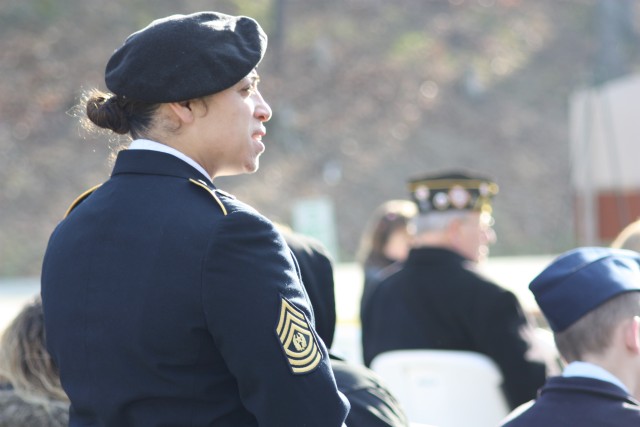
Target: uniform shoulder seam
(213,194)
(80,199)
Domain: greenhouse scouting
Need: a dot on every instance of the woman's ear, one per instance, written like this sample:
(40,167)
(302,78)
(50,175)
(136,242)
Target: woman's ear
(182,110)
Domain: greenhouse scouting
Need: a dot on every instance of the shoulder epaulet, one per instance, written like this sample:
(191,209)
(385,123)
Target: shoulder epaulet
(224,193)
(80,199)
(202,184)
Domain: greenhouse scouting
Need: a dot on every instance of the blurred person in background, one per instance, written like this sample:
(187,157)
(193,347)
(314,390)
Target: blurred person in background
(629,237)
(31,395)
(384,242)
(372,404)
(438,299)
(316,271)
(590,297)
(168,302)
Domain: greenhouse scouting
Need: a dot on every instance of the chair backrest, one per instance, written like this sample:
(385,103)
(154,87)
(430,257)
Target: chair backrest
(444,388)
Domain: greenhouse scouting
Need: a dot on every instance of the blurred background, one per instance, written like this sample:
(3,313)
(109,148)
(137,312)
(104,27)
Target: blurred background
(542,95)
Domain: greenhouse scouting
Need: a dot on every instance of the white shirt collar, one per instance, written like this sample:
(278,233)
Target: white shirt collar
(146,144)
(589,370)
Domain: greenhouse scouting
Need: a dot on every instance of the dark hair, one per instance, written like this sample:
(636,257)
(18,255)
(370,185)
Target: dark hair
(119,114)
(389,217)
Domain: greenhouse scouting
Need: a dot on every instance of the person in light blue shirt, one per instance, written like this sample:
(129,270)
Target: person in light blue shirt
(590,297)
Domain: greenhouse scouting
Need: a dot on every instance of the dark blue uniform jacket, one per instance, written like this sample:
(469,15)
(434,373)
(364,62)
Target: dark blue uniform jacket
(169,303)
(372,404)
(437,301)
(578,401)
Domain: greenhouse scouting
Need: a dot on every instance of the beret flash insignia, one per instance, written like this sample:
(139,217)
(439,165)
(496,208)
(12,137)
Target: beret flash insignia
(297,339)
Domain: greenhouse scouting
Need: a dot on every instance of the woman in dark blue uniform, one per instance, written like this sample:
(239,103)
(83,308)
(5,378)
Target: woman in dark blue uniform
(168,302)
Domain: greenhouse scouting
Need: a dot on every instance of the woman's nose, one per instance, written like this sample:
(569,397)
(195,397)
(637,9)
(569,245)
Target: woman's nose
(263,110)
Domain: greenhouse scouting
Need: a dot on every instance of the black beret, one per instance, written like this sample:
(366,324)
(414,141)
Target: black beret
(452,190)
(582,279)
(183,57)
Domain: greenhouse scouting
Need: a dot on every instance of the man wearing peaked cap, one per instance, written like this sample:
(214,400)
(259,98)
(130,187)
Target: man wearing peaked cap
(591,298)
(438,300)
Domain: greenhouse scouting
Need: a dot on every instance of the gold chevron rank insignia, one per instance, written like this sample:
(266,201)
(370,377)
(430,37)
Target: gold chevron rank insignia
(297,339)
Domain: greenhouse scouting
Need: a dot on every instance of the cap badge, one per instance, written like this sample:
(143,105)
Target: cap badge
(441,201)
(422,193)
(459,197)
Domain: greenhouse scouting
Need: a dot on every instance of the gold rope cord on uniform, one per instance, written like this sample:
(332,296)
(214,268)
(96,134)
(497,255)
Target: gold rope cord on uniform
(206,187)
(80,199)
(297,339)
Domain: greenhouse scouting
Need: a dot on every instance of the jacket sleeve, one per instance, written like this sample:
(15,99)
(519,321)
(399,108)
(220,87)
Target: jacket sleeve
(503,341)
(259,318)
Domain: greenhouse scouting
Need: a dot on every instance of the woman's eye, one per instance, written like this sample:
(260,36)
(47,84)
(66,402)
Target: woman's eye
(251,88)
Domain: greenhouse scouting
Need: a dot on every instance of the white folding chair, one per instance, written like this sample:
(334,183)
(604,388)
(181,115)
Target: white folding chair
(444,388)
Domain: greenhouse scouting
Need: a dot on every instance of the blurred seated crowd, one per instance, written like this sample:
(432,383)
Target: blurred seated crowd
(423,290)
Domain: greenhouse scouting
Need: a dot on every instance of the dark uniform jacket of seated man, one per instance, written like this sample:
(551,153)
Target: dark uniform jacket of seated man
(577,401)
(372,404)
(438,301)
